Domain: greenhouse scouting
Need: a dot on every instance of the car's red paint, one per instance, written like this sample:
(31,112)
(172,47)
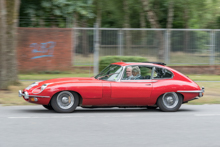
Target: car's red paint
(95,92)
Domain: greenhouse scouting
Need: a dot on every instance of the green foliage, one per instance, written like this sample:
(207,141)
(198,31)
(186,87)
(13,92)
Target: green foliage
(54,13)
(196,14)
(106,60)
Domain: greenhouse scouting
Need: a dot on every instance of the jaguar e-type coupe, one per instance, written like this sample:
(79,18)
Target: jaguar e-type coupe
(122,84)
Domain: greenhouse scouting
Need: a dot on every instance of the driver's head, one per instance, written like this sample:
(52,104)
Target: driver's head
(128,71)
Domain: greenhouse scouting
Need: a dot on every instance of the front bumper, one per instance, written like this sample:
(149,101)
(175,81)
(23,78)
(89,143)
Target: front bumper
(27,96)
(200,92)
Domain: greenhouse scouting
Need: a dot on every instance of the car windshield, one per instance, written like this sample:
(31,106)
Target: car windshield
(110,73)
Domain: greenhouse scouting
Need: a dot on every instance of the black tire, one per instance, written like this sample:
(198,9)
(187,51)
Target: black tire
(170,102)
(65,102)
(152,107)
(48,107)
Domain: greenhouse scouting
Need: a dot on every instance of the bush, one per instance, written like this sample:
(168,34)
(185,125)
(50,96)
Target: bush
(106,60)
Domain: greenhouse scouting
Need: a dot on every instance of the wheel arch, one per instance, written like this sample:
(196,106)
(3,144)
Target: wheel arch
(80,97)
(180,95)
(168,92)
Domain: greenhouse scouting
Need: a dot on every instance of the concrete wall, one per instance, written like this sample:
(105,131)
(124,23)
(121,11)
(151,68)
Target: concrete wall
(44,49)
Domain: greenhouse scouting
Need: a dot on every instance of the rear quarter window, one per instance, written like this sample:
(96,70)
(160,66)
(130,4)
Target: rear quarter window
(162,73)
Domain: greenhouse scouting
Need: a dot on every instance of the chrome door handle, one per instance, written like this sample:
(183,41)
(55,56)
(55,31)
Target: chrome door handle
(147,84)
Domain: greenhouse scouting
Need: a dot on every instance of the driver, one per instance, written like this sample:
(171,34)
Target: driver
(128,73)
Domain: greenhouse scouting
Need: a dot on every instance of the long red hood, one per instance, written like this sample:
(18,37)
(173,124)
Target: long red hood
(67,80)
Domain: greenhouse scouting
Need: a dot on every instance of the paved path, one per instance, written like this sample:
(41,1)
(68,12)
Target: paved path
(34,126)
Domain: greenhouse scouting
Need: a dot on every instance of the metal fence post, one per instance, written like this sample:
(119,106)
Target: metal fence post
(212,47)
(167,47)
(120,43)
(96,49)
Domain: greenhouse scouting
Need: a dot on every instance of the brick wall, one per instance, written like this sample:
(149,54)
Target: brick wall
(44,49)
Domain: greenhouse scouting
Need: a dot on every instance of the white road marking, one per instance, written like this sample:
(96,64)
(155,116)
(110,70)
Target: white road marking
(77,116)
(207,114)
(103,116)
(26,117)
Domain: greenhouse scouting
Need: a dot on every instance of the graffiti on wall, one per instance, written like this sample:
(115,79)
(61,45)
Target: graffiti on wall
(45,49)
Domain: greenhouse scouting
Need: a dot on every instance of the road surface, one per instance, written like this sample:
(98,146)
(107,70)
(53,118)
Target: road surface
(34,126)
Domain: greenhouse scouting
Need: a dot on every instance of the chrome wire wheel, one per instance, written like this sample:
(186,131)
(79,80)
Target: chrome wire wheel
(170,100)
(65,100)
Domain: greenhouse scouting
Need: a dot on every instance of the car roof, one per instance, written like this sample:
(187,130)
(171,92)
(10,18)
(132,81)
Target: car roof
(151,64)
(137,63)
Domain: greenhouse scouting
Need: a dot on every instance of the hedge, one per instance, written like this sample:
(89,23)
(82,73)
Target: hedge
(106,60)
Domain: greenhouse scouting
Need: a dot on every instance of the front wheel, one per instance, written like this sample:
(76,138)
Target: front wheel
(170,102)
(48,107)
(152,107)
(65,102)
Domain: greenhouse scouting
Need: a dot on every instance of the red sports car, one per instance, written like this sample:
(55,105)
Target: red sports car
(120,84)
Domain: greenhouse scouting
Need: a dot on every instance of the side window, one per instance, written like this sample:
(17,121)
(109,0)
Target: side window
(162,73)
(146,72)
(137,73)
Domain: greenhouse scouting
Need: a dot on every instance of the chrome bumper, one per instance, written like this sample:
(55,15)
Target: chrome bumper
(193,91)
(25,94)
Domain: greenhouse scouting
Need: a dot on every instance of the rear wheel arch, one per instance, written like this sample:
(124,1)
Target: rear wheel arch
(179,94)
(161,102)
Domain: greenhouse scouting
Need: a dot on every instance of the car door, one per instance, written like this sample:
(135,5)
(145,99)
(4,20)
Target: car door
(164,83)
(132,92)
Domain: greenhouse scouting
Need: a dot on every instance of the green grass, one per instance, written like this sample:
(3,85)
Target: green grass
(193,58)
(211,95)
(10,97)
(50,76)
(204,77)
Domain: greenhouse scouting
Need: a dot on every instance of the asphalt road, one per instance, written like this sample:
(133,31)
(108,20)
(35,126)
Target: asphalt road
(34,126)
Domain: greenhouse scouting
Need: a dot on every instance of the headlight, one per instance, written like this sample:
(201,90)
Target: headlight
(32,85)
(40,89)
(43,87)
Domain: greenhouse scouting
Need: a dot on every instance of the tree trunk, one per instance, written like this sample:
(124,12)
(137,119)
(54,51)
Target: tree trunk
(143,25)
(3,59)
(12,9)
(76,31)
(99,17)
(127,25)
(186,33)
(170,15)
(8,33)
(152,18)
(85,39)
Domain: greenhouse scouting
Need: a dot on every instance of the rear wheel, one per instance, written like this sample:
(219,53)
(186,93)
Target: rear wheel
(65,102)
(170,102)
